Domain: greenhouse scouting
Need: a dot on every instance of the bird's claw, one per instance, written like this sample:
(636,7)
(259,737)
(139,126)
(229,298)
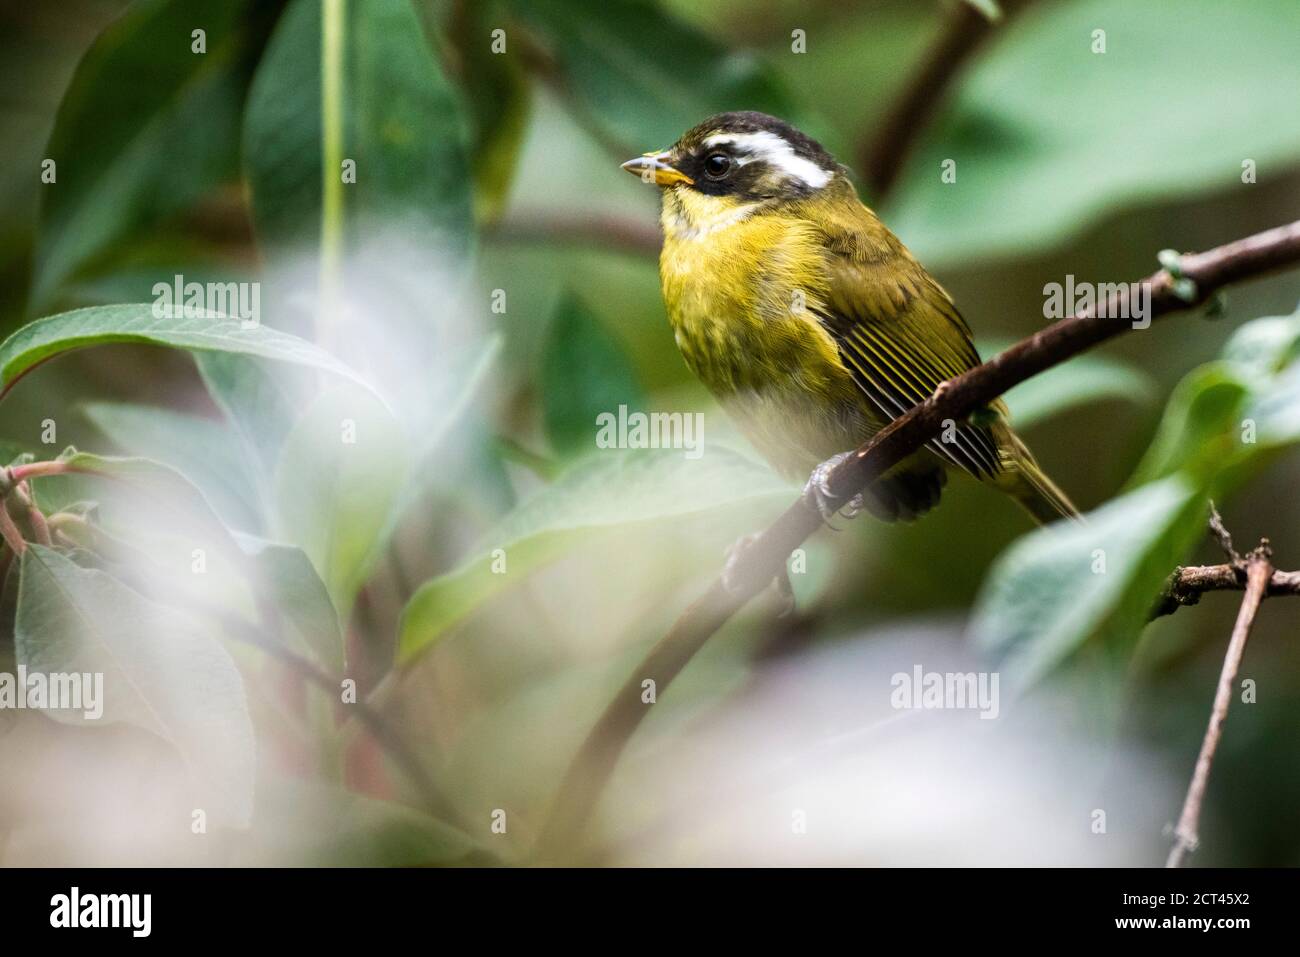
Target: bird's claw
(818,492)
(732,575)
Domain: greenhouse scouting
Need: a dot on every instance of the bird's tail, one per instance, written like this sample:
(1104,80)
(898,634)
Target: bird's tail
(1029,485)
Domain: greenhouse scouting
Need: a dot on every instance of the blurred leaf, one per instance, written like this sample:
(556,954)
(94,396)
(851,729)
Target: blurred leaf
(603,492)
(1275,412)
(497,93)
(204,451)
(1208,422)
(1265,346)
(402,126)
(259,402)
(97,325)
(161,672)
(279,573)
(307,823)
(645,76)
(1039,162)
(155,524)
(1059,587)
(337,482)
(989,8)
(146,126)
(170,495)
(584,373)
(1084,380)
(464,382)
(285,576)
(1201,426)
(1268,351)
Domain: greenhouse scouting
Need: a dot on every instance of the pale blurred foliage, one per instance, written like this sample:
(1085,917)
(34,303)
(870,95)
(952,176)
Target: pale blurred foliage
(103,796)
(815,733)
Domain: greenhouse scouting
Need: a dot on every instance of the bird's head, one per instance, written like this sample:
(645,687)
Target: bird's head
(738,161)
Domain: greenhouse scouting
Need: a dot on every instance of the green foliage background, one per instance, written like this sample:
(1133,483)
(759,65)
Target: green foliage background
(480,172)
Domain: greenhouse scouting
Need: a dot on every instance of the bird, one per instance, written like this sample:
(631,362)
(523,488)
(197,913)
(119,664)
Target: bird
(813,325)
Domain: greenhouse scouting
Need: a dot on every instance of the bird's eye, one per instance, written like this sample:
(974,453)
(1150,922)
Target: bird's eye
(717,165)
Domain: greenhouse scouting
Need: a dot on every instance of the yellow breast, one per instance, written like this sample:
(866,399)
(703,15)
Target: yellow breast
(741,286)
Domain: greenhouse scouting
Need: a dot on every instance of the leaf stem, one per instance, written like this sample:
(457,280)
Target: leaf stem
(9,531)
(35,517)
(334,14)
(21,473)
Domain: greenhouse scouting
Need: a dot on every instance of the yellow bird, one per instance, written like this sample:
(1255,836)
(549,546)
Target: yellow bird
(811,322)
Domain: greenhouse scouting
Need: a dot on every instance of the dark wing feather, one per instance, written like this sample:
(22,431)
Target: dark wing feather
(900,336)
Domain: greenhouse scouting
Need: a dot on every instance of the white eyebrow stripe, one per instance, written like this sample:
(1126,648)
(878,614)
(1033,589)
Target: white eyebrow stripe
(775,150)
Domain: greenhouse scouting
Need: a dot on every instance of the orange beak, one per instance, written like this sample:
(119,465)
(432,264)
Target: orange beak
(655,168)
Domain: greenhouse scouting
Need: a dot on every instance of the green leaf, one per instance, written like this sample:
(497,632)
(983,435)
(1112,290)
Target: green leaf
(337,483)
(603,492)
(170,496)
(647,77)
(584,373)
(285,576)
(97,325)
(1265,346)
(401,125)
(1036,162)
(161,672)
(146,127)
(1060,587)
(156,517)
(203,450)
(1226,414)
(158,525)
(261,404)
(1274,412)
(1201,426)
(1084,380)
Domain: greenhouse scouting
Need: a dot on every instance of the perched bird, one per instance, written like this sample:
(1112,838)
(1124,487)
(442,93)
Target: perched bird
(811,322)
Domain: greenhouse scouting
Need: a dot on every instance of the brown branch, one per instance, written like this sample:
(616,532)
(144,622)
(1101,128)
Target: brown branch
(1259,573)
(1189,583)
(607,232)
(964,32)
(767,552)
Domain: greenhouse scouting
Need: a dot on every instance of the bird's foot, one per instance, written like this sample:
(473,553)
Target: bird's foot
(817,492)
(733,580)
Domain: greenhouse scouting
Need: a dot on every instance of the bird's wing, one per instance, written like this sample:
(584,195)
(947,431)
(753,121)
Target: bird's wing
(900,335)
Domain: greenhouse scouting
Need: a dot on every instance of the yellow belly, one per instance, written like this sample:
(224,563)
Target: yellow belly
(740,302)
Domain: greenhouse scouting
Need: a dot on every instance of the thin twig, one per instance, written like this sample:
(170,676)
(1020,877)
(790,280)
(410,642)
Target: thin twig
(964,32)
(432,797)
(767,552)
(619,233)
(1259,571)
(9,531)
(1224,538)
